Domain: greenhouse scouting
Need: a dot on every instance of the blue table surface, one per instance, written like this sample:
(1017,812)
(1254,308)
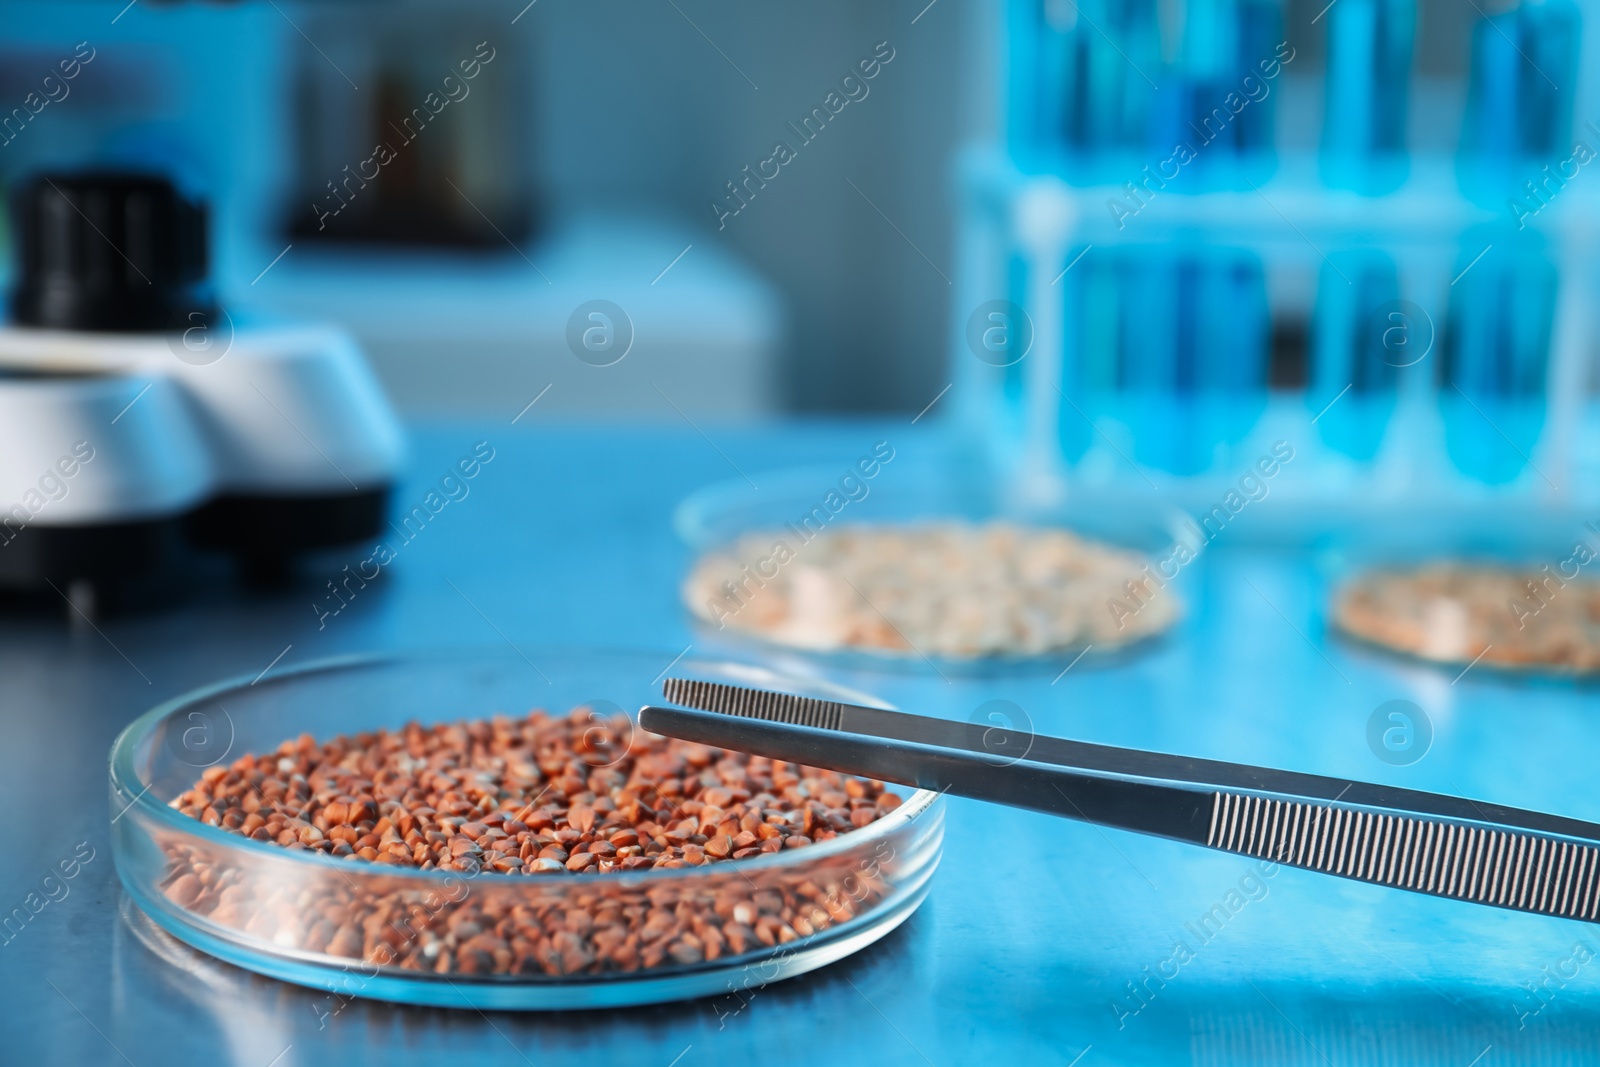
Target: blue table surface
(1036,932)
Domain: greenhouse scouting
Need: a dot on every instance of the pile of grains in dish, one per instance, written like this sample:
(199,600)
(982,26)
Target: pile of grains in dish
(559,795)
(1456,613)
(574,808)
(935,589)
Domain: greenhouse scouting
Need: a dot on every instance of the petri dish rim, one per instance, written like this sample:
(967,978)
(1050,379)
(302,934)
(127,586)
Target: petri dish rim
(717,514)
(124,750)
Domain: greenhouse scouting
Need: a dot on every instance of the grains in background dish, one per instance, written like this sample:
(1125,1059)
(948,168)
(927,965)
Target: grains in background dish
(944,589)
(1455,613)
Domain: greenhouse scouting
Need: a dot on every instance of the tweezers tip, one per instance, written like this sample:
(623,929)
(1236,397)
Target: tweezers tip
(754,703)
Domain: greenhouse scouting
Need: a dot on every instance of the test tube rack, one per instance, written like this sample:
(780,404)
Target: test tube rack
(1443,305)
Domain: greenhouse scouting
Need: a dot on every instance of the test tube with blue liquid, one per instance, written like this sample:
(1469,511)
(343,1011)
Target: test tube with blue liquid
(1230,322)
(1093,293)
(1362,334)
(1180,351)
(1152,281)
(1520,93)
(1216,101)
(1494,361)
(1099,63)
(1370,44)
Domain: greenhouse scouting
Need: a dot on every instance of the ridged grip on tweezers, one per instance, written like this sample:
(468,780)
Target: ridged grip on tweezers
(754,703)
(1506,868)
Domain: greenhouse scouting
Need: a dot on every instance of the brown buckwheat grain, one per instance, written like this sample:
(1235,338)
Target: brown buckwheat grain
(544,799)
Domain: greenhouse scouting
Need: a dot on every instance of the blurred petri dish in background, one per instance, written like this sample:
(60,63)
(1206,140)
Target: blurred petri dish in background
(799,503)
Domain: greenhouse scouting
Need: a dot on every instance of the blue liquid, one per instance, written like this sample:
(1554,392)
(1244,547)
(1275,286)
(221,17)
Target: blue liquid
(1520,96)
(1108,100)
(1357,343)
(1494,361)
(1092,92)
(1367,90)
(1174,347)
(1083,84)
(1217,99)
(1094,295)
(1013,380)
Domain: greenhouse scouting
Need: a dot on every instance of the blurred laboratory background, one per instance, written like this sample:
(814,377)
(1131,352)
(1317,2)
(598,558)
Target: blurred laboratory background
(1008,309)
(1136,238)
(585,158)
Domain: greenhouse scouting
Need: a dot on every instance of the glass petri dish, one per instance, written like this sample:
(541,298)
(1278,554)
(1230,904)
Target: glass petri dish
(269,909)
(1542,540)
(1454,635)
(907,491)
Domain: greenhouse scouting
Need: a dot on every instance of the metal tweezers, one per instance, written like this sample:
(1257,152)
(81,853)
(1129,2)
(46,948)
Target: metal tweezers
(1425,842)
